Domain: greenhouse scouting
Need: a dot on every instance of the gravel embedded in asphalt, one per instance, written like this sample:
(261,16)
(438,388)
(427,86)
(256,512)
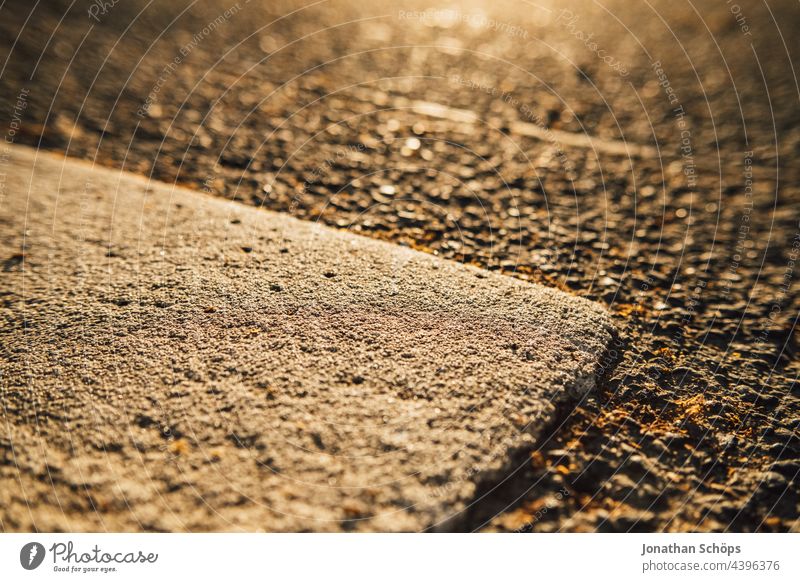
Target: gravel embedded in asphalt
(314,110)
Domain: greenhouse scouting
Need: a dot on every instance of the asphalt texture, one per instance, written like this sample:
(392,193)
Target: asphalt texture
(639,154)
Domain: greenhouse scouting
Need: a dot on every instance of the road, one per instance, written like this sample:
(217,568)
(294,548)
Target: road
(638,155)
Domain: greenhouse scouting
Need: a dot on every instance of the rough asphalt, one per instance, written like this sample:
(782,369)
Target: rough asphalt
(490,134)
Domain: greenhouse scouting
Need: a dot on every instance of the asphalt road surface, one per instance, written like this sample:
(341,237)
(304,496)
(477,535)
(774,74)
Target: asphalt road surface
(642,155)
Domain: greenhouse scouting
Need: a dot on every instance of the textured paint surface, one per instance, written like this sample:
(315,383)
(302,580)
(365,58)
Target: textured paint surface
(174,361)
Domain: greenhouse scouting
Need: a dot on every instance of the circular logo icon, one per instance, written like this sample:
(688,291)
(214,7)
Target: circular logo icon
(31,555)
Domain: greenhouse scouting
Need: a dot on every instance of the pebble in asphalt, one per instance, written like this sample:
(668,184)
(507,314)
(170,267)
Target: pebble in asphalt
(177,361)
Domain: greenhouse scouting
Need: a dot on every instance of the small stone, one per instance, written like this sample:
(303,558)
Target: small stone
(413,143)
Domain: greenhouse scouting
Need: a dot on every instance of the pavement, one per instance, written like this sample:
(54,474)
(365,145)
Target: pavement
(639,155)
(173,361)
